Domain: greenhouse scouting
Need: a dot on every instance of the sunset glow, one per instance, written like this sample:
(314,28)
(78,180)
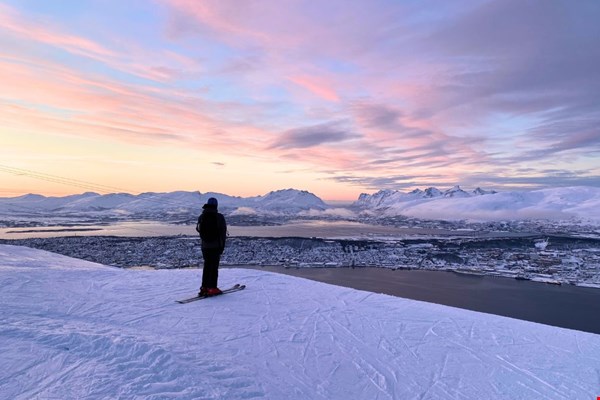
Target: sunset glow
(335,97)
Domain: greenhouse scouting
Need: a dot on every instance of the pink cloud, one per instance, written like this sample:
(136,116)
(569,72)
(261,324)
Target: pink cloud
(87,103)
(41,32)
(61,101)
(281,68)
(11,22)
(334,28)
(316,86)
(77,102)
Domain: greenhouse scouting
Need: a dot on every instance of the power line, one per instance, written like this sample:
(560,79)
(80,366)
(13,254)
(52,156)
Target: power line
(58,179)
(101,189)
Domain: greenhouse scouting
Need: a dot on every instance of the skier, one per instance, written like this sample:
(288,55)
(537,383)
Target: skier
(213,232)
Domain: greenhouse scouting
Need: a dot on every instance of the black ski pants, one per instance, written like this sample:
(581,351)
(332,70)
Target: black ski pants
(210,273)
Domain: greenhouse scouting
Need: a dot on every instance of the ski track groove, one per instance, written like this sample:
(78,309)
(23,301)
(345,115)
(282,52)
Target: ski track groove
(484,357)
(370,366)
(532,376)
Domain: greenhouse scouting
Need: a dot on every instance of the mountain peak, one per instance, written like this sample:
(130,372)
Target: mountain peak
(480,192)
(456,191)
(432,192)
(292,199)
(152,204)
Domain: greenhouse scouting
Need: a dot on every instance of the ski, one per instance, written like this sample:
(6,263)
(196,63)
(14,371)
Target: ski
(234,288)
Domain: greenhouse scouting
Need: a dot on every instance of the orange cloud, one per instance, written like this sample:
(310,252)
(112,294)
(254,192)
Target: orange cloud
(57,100)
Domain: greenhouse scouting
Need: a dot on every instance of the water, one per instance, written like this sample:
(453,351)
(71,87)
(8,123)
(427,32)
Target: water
(564,306)
(307,229)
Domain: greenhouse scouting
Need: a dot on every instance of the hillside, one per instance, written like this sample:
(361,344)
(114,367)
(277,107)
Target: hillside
(74,329)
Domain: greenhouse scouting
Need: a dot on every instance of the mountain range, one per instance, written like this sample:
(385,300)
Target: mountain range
(287,201)
(387,198)
(567,203)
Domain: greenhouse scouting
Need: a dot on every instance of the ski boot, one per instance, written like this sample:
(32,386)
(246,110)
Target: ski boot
(213,291)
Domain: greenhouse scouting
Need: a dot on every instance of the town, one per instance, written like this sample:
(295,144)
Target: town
(549,259)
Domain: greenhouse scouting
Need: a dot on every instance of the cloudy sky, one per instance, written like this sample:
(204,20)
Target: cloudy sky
(337,97)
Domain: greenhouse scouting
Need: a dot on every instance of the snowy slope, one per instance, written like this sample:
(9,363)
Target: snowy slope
(74,329)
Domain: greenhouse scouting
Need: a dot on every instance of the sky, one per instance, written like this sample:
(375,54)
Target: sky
(338,97)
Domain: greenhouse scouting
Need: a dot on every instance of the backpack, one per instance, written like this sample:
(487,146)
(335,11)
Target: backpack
(209,227)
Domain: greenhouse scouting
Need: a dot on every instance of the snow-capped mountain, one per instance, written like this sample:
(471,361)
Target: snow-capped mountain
(383,198)
(390,197)
(479,191)
(567,203)
(456,191)
(431,192)
(38,202)
(288,201)
(93,202)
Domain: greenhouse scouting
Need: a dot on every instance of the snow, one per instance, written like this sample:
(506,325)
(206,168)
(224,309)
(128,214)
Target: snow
(572,204)
(288,201)
(455,204)
(284,200)
(75,329)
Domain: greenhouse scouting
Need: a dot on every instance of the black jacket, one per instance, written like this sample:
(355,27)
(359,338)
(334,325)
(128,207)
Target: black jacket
(222,226)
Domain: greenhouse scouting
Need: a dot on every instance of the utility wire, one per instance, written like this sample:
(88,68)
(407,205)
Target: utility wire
(102,189)
(58,179)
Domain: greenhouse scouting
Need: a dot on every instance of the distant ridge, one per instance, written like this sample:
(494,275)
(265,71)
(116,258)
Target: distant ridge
(286,201)
(568,203)
(579,203)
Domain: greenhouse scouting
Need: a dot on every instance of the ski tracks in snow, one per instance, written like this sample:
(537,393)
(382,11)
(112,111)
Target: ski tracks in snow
(109,333)
(407,347)
(115,343)
(329,341)
(107,362)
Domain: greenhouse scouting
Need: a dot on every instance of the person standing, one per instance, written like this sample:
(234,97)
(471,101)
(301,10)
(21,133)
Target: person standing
(213,233)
